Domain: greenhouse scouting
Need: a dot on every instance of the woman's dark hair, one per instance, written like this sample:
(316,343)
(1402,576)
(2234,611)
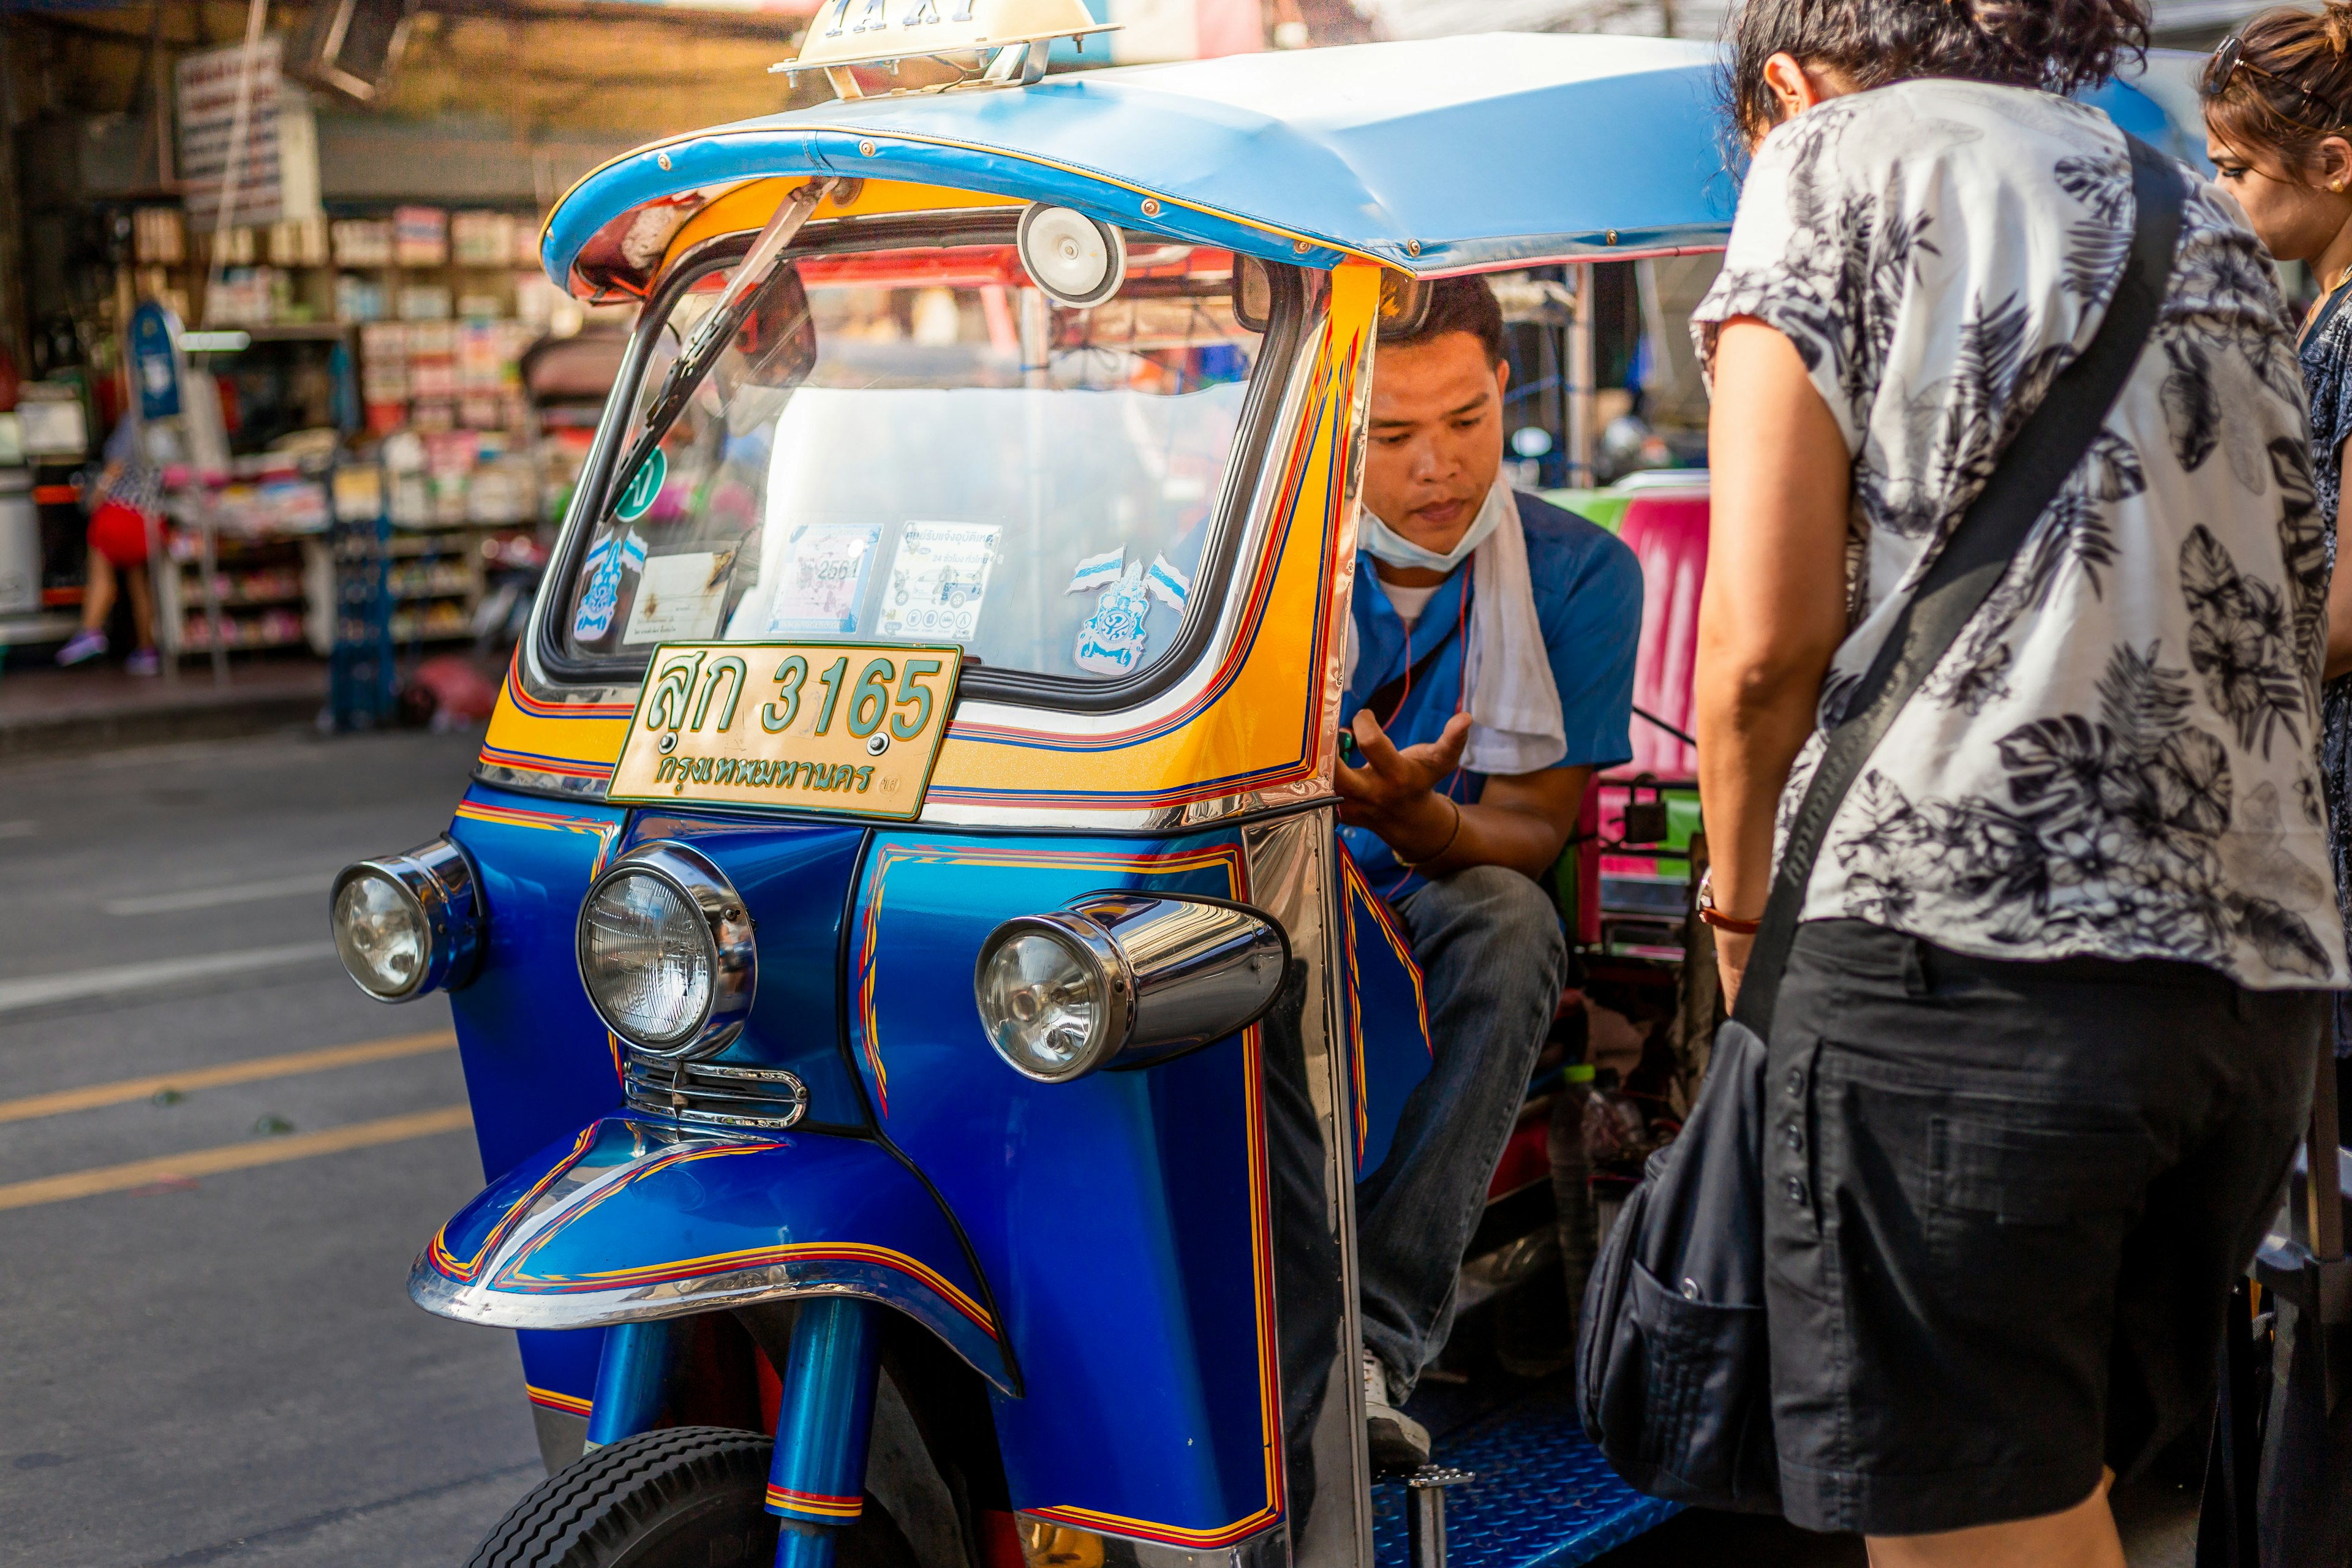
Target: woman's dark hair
(2061,45)
(2287,88)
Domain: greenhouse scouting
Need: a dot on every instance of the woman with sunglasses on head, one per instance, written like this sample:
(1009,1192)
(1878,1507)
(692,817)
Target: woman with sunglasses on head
(2043,1043)
(2278,119)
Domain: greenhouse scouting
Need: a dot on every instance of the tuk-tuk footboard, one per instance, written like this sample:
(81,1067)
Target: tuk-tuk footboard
(632,1220)
(1541,1496)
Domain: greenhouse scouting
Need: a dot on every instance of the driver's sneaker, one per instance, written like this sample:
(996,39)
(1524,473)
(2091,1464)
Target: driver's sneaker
(1399,1442)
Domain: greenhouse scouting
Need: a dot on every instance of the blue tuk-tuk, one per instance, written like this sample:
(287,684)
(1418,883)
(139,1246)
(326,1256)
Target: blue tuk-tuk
(923,1029)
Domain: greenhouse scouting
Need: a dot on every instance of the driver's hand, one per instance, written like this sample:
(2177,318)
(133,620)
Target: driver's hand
(1394,793)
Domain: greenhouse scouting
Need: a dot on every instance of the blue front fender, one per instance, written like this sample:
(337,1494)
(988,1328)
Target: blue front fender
(635,1219)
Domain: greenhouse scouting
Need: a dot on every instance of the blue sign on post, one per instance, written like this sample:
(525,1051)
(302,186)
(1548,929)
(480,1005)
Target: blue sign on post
(155,360)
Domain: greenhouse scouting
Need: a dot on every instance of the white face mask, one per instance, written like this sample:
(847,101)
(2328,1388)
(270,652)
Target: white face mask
(1385,544)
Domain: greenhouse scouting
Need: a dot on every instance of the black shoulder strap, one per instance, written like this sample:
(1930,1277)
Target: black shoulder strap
(2043,452)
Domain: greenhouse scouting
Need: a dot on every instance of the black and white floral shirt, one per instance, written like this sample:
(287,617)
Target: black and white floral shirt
(2117,757)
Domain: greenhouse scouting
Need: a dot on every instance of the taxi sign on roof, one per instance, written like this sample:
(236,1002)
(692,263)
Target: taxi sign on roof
(862,32)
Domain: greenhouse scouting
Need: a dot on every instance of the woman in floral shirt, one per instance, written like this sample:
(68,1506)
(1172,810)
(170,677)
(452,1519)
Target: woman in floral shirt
(2043,1046)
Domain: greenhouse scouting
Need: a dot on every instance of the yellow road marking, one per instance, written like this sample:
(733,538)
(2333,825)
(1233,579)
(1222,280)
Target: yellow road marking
(233,1157)
(258,1068)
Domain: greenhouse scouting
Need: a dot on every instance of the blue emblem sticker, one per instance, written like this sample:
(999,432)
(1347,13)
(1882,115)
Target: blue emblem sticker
(638,498)
(1111,640)
(606,564)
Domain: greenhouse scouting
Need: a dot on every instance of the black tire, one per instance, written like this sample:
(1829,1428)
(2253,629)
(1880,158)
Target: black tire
(685,1497)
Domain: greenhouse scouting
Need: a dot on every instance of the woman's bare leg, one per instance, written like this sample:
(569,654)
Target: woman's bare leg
(97,593)
(2082,1536)
(142,605)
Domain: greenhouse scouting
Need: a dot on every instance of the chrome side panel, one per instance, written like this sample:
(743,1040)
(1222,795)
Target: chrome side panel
(1293,877)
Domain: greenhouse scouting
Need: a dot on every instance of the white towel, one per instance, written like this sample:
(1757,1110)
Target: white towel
(1515,726)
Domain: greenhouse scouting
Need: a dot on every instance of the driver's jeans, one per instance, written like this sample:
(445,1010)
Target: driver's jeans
(1492,960)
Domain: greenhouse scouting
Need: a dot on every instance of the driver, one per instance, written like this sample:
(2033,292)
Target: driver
(1491,671)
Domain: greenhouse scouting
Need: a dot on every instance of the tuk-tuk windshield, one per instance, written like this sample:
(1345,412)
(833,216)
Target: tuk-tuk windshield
(918,445)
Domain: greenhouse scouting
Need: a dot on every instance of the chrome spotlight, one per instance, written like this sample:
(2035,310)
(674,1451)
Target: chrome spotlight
(407,924)
(1123,980)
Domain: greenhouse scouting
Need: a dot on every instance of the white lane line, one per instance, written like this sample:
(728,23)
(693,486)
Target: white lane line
(39,990)
(23,828)
(212,898)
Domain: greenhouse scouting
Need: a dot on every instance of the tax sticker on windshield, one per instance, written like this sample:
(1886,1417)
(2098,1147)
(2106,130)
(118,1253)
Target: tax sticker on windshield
(823,579)
(853,728)
(938,581)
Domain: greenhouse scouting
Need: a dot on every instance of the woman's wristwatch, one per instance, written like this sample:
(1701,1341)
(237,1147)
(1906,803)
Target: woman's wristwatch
(1717,918)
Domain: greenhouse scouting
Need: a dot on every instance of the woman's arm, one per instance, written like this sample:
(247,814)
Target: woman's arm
(2339,586)
(1773,609)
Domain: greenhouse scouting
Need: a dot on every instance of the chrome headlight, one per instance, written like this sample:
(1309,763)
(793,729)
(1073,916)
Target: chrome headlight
(1123,980)
(410,923)
(665,952)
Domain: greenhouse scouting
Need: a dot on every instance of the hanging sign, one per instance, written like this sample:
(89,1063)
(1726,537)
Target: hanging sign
(278,160)
(155,360)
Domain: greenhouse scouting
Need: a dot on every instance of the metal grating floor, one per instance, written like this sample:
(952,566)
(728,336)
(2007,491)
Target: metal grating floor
(1544,1496)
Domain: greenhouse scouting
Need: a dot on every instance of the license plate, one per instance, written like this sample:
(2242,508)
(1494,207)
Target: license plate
(836,727)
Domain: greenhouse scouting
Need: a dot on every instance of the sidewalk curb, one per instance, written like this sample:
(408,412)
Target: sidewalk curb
(111,727)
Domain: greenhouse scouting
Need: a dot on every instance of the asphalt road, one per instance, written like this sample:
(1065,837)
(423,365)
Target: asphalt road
(206,1350)
(225,1367)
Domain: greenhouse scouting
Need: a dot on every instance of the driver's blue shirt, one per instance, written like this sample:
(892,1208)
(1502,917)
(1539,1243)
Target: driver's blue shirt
(1588,592)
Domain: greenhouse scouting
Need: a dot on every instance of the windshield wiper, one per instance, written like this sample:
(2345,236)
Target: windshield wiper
(695,361)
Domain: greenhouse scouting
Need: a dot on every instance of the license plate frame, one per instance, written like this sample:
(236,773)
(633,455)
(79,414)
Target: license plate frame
(737,725)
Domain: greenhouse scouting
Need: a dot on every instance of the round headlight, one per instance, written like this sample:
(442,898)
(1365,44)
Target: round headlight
(407,924)
(382,932)
(665,952)
(646,957)
(1053,1002)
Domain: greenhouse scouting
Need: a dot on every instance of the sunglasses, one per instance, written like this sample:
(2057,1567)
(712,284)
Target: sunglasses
(2231,58)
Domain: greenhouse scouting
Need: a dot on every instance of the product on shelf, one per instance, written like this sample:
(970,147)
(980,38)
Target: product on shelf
(361,242)
(420,237)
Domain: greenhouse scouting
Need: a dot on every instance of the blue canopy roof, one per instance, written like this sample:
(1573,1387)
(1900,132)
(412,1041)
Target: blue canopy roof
(1448,155)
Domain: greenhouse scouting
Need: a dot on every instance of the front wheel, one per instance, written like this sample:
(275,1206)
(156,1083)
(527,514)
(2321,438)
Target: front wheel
(682,1497)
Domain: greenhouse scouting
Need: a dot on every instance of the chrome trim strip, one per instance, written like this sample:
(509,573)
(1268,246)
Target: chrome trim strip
(438,1294)
(532,780)
(1292,878)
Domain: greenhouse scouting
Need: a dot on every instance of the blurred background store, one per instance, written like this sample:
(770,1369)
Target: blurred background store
(330,236)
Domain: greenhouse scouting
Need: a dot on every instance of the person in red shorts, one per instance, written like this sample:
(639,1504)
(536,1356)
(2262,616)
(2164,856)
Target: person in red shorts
(129,507)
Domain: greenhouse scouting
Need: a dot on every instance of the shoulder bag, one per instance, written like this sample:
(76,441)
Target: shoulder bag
(1673,1372)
